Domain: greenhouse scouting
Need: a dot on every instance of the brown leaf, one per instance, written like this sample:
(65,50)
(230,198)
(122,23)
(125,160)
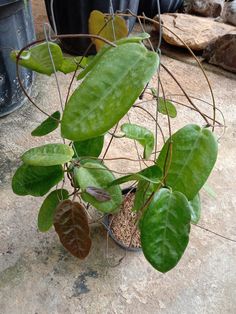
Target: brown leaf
(71,225)
(100,24)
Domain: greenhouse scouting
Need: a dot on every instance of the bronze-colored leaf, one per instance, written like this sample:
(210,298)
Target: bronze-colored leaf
(111,29)
(71,225)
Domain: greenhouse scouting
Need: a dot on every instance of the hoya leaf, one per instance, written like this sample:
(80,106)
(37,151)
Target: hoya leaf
(100,194)
(36,181)
(168,219)
(71,64)
(48,125)
(48,155)
(71,225)
(167,108)
(48,208)
(194,153)
(98,104)
(195,208)
(111,29)
(37,58)
(151,174)
(91,148)
(209,190)
(144,190)
(132,39)
(140,134)
(98,176)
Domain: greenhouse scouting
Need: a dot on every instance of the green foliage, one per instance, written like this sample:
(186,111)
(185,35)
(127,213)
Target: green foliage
(90,148)
(167,108)
(165,229)
(71,64)
(194,153)
(48,125)
(37,58)
(48,209)
(36,181)
(97,105)
(140,134)
(48,155)
(92,174)
(195,208)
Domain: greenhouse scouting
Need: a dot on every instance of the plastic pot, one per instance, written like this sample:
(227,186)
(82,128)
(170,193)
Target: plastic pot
(106,223)
(150,8)
(71,17)
(16,31)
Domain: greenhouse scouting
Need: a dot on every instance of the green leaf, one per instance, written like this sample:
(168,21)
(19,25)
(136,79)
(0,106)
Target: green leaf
(105,96)
(151,174)
(165,229)
(195,208)
(48,209)
(36,181)
(167,108)
(92,174)
(143,192)
(37,58)
(194,153)
(48,125)
(91,148)
(209,190)
(112,29)
(71,64)
(132,39)
(48,155)
(140,134)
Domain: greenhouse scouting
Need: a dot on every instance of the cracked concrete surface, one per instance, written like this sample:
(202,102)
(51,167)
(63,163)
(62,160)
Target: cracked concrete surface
(38,276)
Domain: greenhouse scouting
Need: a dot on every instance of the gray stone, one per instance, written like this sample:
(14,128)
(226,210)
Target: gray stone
(222,52)
(229,12)
(207,8)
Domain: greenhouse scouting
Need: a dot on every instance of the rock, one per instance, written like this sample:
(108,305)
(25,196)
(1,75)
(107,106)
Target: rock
(208,8)
(229,12)
(222,52)
(196,32)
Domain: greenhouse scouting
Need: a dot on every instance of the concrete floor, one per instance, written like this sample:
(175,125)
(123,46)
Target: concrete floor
(38,276)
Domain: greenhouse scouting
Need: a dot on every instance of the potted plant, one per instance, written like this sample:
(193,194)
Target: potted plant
(16,31)
(166,199)
(71,17)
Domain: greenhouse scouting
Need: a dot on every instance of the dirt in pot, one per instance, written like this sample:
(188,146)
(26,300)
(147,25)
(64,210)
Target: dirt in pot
(123,224)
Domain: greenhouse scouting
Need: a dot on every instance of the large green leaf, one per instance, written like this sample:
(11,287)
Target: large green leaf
(90,148)
(48,125)
(108,91)
(36,181)
(48,208)
(96,175)
(165,229)
(48,155)
(132,39)
(37,58)
(112,29)
(195,207)
(194,153)
(140,134)
(151,174)
(167,108)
